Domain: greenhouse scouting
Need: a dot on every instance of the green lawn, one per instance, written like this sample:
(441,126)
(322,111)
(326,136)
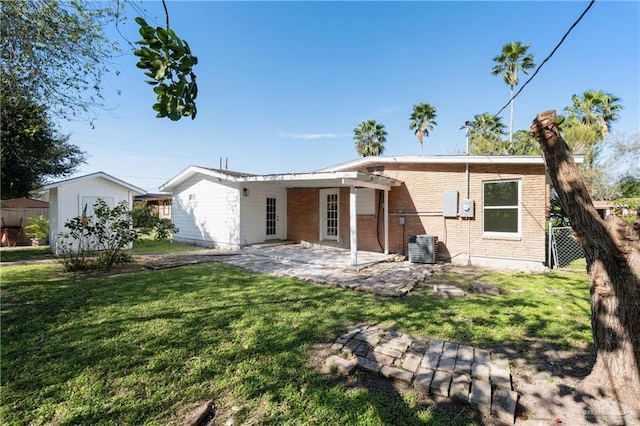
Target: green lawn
(27,253)
(148,347)
(147,244)
(140,246)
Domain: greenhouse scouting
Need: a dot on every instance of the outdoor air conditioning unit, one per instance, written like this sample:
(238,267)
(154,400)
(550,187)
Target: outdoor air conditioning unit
(423,248)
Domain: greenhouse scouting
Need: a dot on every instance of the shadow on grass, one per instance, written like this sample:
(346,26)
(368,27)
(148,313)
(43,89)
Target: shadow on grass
(145,348)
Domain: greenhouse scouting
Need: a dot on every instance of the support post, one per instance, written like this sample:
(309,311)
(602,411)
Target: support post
(353,225)
(386,221)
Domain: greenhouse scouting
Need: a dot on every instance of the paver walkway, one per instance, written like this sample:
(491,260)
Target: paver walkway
(377,274)
(461,372)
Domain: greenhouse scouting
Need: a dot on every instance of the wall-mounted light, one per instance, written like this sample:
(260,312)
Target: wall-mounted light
(245,192)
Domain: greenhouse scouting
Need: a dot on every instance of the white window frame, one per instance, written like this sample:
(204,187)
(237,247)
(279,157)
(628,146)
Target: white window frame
(503,235)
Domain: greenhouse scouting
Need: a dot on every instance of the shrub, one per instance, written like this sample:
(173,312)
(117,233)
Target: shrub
(147,222)
(38,227)
(98,241)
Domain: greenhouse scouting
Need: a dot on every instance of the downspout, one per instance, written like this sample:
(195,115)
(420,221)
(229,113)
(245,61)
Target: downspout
(466,124)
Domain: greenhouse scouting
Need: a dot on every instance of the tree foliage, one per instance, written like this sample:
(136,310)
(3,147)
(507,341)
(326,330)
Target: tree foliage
(169,64)
(596,109)
(32,149)
(524,144)
(485,135)
(56,53)
(626,151)
(369,138)
(146,221)
(422,121)
(512,60)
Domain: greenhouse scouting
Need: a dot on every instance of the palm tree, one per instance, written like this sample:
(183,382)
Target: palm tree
(422,120)
(485,135)
(509,63)
(370,138)
(595,107)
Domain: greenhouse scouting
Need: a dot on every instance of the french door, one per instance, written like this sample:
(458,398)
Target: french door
(329,214)
(272,217)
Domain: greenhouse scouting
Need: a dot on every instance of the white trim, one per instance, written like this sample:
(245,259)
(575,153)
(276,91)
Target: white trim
(345,178)
(440,159)
(103,175)
(353,224)
(386,222)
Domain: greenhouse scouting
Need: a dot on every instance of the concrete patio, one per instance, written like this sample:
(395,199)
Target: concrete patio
(375,273)
(333,257)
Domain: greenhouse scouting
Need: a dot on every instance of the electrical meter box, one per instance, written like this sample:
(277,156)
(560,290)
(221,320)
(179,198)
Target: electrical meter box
(466,208)
(450,204)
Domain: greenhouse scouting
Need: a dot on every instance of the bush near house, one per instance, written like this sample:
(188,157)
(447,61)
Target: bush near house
(100,241)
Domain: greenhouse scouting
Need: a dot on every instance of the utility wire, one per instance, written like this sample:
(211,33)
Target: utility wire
(548,57)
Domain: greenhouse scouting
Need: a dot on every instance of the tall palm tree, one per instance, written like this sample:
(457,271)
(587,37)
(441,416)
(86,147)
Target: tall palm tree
(595,107)
(510,63)
(422,120)
(370,138)
(485,135)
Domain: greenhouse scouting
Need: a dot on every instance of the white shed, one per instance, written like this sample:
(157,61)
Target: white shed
(68,198)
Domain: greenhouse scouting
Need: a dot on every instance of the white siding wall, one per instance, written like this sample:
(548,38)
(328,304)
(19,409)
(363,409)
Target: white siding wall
(66,200)
(253,213)
(211,217)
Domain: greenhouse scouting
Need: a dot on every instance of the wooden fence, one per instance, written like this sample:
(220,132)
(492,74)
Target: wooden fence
(14,220)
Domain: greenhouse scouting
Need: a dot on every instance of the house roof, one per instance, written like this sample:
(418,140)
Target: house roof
(25,203)
(103,175)
(373,161)
(152,197)
(345,178)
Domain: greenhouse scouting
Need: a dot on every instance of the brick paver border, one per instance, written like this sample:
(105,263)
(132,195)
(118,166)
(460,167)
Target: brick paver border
(476,376)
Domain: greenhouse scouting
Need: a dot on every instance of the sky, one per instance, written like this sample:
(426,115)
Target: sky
(282,85)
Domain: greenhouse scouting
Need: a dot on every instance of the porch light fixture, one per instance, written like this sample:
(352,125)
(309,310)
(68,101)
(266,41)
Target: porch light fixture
(245,192)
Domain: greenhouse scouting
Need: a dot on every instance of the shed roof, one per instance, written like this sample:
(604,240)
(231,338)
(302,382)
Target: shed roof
(24,202)
(152,197)
(103,175)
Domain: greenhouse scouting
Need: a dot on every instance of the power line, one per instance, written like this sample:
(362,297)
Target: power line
(549,56)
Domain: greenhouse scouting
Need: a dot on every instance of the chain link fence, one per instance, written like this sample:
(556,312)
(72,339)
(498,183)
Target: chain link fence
(565,251)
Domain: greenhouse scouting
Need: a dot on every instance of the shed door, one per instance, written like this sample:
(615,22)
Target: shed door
(329,214)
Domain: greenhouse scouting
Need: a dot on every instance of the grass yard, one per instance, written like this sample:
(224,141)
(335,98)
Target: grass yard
(149,347)
(27,253)
(147,244)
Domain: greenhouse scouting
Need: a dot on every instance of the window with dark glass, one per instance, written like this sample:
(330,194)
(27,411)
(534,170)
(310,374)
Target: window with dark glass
(501,204)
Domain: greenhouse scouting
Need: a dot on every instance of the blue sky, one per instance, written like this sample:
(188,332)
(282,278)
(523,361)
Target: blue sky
(282,85)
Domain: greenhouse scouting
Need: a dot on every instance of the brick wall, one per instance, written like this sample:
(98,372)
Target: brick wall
(420,202)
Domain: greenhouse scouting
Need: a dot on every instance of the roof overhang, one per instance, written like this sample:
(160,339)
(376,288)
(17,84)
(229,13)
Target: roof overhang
(102,175)
(292,180)
(374,161)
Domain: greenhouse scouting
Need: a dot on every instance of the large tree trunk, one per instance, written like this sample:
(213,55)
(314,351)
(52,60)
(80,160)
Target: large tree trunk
(612,250)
